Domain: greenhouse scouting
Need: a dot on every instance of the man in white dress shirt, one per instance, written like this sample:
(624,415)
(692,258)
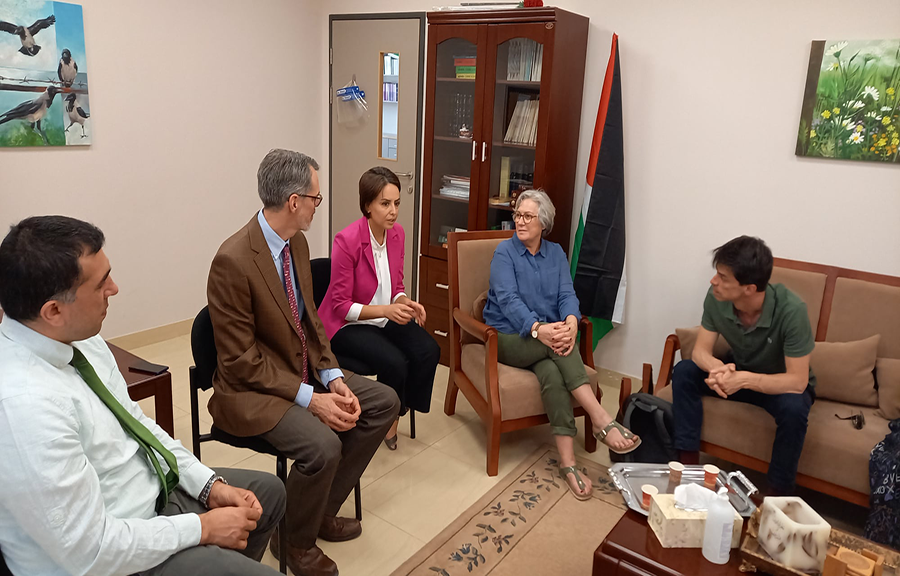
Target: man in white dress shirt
(90,485)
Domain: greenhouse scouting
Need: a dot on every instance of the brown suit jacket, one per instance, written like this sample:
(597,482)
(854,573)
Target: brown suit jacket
(260,355)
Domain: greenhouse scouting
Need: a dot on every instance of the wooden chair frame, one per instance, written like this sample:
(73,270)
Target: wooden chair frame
(672,344)
(489,409)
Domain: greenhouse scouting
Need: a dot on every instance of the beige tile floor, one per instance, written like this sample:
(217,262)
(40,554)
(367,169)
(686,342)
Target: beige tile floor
(408,495)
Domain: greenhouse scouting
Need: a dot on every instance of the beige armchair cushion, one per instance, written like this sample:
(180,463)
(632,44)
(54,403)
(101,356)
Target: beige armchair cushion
(478,306)
(687,337)
(887,374)
(845,371)
(520,393)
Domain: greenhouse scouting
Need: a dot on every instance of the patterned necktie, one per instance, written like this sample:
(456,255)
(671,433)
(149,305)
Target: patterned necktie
(138,431)
(292,300)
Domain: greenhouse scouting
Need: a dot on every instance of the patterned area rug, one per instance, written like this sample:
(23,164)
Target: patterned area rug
(529,523)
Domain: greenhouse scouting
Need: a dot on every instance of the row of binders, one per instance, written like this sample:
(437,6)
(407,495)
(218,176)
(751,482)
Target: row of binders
(524,60)
(523,124)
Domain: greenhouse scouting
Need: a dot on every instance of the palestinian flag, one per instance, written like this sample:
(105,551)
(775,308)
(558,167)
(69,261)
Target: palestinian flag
(598,257)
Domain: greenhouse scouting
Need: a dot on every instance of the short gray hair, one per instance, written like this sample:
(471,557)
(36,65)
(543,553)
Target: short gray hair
(546,209)
(282,173)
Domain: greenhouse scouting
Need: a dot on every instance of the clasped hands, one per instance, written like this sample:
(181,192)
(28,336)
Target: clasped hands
(725,380)
(403,310)
(559,336)
(338,409)
(232,516)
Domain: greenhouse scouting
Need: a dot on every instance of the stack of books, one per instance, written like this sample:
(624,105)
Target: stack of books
(455,187)
(465,67)
(524,60)
(523,124)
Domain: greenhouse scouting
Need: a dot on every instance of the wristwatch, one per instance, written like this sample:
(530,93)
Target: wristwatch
(204,495)
(534,331)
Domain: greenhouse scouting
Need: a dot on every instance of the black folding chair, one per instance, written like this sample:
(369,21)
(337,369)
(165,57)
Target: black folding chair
(321,277)
(203,347)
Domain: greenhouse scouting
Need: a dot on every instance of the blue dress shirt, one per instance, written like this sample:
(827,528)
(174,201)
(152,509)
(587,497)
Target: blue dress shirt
(276,247)
(528,288)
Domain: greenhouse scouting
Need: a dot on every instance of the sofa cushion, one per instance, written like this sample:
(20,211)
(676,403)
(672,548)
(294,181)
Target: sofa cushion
(887,375)
(845,371)
(828,440)
(520,393)
(861,309)
(809,286)
(687,338)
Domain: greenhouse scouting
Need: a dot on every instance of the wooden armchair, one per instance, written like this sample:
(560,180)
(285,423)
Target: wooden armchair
(505,398)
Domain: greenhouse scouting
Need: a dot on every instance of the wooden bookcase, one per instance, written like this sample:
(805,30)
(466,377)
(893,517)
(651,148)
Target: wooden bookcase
(471,155)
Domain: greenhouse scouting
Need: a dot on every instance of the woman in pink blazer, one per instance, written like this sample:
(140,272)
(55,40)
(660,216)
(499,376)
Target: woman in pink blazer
(366,312)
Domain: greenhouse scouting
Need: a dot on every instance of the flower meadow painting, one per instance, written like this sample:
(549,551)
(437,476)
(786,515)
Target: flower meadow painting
(851,107)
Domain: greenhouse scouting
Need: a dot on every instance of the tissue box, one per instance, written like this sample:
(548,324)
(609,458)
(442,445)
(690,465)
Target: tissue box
(793,534)
(682,529)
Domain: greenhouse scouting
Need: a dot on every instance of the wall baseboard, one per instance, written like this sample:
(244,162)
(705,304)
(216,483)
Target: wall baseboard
(153,335)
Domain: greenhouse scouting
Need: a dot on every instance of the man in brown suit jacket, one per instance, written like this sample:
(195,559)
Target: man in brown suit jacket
(277,377)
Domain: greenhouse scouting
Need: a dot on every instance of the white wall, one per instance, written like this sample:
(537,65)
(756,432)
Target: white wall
(712,93)
(186,99)
(188,96)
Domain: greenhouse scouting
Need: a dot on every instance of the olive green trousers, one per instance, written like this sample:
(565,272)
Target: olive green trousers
(557,375)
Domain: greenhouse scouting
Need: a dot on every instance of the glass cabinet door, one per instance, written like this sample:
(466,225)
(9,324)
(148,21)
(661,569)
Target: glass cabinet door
(454,148)
(514,134)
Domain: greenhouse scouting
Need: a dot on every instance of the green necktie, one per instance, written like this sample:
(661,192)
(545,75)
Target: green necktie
(138,431)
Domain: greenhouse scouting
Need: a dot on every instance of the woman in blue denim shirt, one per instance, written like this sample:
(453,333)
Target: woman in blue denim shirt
(533,306)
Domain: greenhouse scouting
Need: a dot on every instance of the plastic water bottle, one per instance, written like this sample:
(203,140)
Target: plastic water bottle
(719,526)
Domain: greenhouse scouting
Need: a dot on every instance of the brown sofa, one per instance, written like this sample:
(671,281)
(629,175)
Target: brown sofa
(844,306)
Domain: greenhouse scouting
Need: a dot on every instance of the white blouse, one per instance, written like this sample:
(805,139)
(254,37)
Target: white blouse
(382,296)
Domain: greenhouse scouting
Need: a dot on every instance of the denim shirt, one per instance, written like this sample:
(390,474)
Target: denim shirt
(528,288)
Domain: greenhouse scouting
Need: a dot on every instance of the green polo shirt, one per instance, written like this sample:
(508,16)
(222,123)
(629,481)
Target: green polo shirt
(782,330)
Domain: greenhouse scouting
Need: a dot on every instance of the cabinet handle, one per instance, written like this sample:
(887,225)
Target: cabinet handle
(441,286)
(483,150)
(441,333)
(474,149)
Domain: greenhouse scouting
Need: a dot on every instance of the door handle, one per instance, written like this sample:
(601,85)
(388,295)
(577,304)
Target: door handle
(440,333)
(441,286)
(474,148)
(409,174)
(483,150)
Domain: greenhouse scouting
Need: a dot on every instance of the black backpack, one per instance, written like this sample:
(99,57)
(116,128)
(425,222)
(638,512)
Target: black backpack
(883,524)
(651,418)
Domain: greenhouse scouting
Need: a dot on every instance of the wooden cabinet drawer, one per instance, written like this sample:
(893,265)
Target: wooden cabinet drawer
(437,323)
(434,287)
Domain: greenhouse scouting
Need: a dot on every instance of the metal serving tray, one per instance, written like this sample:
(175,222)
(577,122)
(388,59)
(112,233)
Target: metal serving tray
(628,479)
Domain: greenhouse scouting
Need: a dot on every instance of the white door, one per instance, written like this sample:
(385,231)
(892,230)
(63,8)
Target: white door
(382,57)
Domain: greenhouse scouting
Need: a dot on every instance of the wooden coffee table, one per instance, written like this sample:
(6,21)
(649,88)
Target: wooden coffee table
(632,549)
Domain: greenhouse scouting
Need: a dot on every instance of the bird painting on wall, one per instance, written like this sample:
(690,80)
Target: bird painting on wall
(33,111)
(27,34)
(67,69)
(76,113)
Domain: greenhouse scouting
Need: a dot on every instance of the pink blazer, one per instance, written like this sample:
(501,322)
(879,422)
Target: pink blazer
(353,277)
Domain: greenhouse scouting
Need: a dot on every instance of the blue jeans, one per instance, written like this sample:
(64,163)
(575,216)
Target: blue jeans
(789,410)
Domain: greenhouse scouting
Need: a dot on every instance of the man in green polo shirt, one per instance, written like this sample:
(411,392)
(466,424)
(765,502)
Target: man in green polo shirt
(767,327)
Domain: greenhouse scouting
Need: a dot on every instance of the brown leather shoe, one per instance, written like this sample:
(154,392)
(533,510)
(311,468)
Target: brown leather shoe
(338,529)
(309,562)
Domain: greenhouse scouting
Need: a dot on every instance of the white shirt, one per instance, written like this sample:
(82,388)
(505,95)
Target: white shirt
(382,296)
(77,493)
